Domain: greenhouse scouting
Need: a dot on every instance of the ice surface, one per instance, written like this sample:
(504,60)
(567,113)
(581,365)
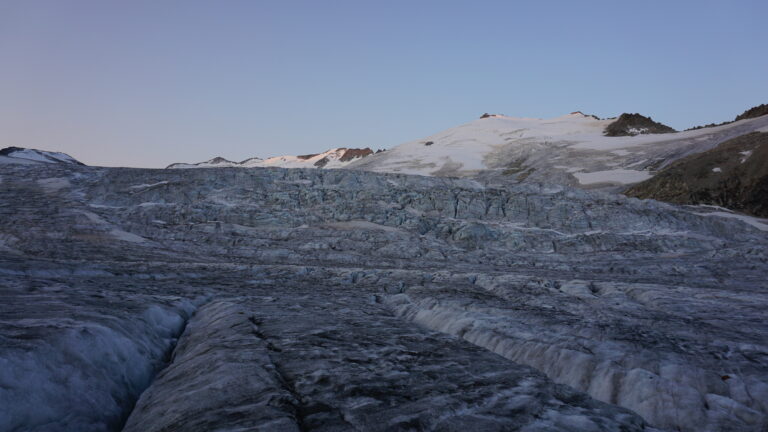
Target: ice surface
(382,302)
(758,223)
(621,176)
(81,371)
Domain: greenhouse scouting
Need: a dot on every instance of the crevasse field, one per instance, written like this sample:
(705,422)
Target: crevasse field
(273,299)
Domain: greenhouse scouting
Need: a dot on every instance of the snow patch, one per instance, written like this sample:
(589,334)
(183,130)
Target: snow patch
(717,169)
(746,155)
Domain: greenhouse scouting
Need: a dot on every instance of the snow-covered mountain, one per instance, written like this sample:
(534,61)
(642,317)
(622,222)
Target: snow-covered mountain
(24,155)
(573,149)
(333,158)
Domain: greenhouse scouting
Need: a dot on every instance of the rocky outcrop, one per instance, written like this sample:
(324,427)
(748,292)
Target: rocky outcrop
(753,112)
(733,175)
(635,124)
(586,115)
(352,153)
(321,163)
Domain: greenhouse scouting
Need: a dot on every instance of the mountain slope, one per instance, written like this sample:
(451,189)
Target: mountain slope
(734,175)
(571,150)
(333,158)
(24,155)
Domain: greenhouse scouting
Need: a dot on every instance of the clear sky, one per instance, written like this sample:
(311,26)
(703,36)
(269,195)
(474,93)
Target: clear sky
(148,83)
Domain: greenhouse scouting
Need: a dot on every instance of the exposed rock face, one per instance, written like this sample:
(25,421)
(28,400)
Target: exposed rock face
(344,300)
(733,175)
(307,156)
(351,154)
(753,112)
(635,124)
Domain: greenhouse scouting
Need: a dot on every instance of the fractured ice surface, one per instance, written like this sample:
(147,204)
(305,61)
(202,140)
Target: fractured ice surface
(347,300)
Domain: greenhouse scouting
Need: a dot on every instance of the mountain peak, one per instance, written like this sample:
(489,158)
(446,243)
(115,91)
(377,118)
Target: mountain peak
(38,156)
(333,158)
(635,124)
(581,114)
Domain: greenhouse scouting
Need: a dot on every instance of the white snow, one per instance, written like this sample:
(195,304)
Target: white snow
(621,176)
(333,157)
(42,156)
(497,141)
(717,169)
(746,155)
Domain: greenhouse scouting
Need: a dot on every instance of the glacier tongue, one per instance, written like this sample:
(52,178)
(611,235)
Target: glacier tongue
(355,300)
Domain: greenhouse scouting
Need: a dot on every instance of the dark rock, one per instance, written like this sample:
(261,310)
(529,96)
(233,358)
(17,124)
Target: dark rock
(322,162)
(733,175)
(307,156)
(753,112)
(355,153)
(219,159)
(635,124)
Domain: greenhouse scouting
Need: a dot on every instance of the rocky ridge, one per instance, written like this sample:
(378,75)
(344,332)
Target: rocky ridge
(733,175)
(635,124)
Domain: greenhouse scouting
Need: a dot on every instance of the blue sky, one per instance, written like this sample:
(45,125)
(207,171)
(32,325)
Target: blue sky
(147,83)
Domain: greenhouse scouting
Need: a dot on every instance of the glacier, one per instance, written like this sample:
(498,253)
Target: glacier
(304,299)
